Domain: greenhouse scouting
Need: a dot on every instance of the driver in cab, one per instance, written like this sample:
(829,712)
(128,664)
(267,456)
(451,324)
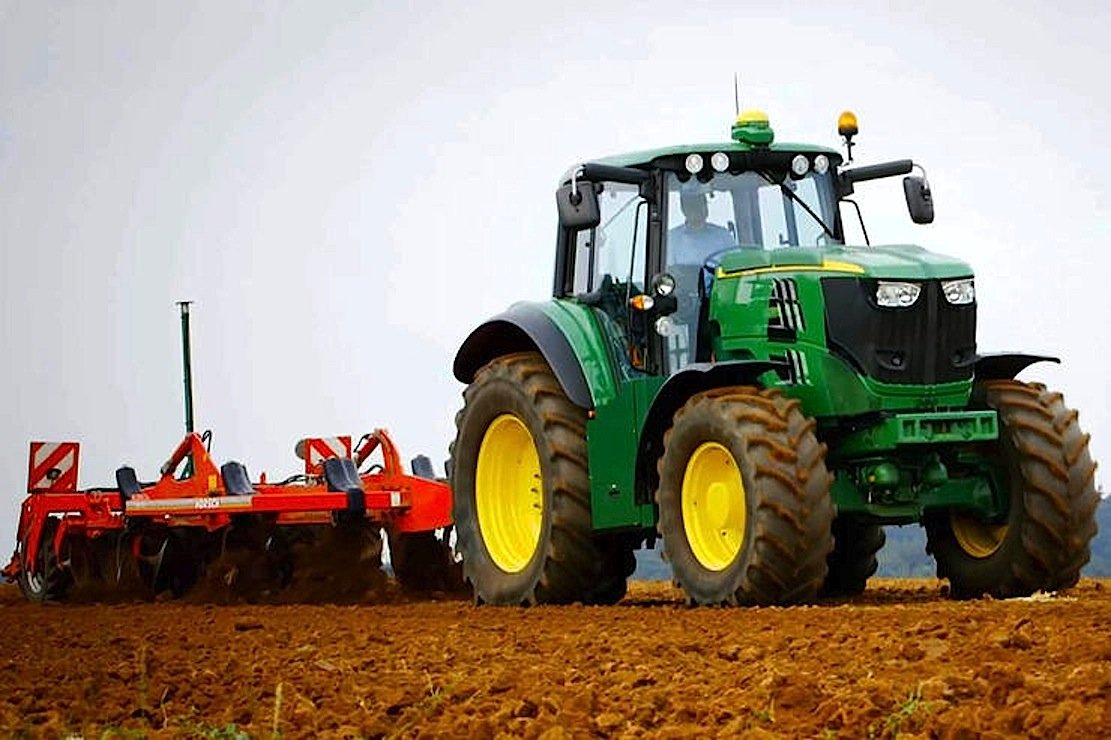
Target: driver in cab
(695,239)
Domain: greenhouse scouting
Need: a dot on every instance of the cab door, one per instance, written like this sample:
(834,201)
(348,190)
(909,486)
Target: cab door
(605,267)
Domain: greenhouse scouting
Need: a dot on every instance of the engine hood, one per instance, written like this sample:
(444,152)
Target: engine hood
(896,261)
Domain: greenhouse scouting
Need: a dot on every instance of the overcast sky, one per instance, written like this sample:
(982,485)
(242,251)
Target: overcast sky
(347,189)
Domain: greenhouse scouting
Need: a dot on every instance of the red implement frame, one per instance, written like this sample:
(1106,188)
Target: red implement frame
(434,510)
(404,502)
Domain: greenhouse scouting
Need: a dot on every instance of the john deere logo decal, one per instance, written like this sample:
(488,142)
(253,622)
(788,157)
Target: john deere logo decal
(785,318)
(794,369)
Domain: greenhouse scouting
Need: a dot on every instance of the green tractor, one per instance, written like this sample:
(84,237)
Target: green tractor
(717,369)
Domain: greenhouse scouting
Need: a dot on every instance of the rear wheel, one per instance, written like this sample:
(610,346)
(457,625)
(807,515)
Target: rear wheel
(522,491)
(853,560)
(1041,459)
(744,501)
(49,581)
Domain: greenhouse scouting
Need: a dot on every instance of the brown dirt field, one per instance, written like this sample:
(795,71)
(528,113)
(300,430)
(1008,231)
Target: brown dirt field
(900,660)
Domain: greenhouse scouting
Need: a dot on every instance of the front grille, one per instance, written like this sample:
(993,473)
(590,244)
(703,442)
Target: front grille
(929,342)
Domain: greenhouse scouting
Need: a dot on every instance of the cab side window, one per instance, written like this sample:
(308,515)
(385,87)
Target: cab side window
(616,247)
(609,267)
(583,268)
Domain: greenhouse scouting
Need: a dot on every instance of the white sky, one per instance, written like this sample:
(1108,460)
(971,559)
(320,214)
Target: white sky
(346,189)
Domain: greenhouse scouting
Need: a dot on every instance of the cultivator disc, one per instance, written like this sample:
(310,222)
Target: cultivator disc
(305,564)
(425,562)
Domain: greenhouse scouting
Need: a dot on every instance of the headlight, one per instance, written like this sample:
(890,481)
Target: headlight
(897,295)
(720,162)
(959,292)
(821,164)
(694,163)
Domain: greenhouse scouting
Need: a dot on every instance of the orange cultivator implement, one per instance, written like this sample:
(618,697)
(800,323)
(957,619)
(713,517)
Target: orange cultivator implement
(198,522)
(316,536)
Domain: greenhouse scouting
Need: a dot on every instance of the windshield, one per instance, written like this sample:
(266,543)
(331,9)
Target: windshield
(750,210)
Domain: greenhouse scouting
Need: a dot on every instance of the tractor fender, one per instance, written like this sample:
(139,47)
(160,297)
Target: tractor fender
(1006,365)
(524,328)
(674,393)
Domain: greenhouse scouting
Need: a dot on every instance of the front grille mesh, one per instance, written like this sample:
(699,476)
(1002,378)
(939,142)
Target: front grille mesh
(929,342)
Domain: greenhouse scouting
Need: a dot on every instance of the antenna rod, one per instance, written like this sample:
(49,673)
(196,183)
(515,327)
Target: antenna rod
(187,361)
(736,96)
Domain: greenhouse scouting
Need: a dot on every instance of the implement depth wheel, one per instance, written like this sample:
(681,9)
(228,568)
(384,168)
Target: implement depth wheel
(522,492)
(745,511)
(1042,458)
(50,581)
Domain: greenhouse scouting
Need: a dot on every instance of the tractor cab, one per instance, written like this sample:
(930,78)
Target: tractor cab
(643,235)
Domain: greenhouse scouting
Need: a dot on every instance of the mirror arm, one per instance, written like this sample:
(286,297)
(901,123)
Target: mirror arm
(876,171)
(605,172)
(920,168)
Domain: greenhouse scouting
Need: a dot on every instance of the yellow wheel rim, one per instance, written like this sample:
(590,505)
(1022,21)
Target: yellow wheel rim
(509,493)
(713,502)
(977,538)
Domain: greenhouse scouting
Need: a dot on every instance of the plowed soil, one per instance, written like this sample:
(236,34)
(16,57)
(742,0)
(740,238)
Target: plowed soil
(902,659)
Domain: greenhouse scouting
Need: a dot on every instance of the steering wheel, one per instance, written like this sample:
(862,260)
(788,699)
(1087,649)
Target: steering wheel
(713,259)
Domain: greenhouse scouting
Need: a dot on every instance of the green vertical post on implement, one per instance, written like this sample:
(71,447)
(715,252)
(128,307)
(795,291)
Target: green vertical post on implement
(186,361)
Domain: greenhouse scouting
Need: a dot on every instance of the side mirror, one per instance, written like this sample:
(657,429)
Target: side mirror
(577,204)
(920,201)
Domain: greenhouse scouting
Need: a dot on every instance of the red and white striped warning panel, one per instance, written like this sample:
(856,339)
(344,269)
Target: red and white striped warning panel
(52,466)
(315,450)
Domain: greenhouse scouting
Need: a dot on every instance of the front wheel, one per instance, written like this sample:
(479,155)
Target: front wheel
(1041,460)
(853,560)
(744,499)
(522,491)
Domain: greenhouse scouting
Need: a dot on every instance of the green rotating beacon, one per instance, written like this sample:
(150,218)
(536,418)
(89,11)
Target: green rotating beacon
(719,371)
